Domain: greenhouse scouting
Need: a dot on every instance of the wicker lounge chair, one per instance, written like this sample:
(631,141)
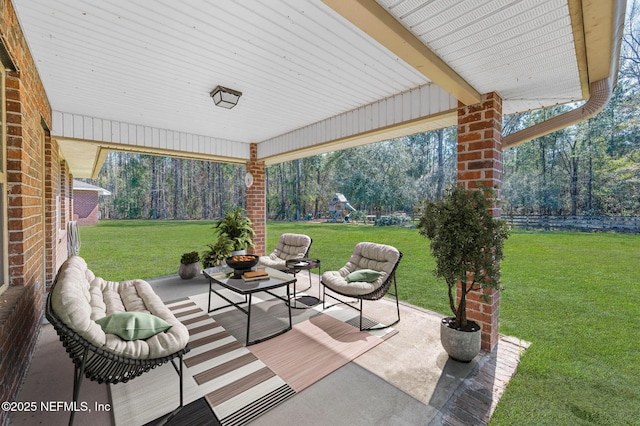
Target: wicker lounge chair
(368,275)
(290,246)
(77,299)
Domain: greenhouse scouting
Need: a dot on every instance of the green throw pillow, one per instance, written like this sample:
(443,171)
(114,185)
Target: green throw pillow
(365,275)
(133,325)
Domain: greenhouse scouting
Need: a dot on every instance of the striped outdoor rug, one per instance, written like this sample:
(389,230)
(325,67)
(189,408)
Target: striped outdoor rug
(240,383)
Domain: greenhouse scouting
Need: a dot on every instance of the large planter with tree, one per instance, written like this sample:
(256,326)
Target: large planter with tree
(467,243)
(237,228)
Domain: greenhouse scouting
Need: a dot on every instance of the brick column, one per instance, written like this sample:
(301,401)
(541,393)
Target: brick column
(480,162)
(257,200)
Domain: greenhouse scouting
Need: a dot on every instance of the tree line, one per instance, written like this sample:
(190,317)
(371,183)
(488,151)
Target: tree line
(592,168)
(376,179)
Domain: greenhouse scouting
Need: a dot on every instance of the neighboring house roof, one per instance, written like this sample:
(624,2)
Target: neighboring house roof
(79,185)
(315,76)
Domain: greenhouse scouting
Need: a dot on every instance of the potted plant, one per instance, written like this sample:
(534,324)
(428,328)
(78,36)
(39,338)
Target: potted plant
(467,243)
(217,252)
(238,228)
(189,265)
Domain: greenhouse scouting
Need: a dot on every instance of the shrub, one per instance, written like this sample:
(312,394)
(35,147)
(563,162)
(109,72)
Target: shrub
(395,219)
(358,216)
(217,252)
(189,258)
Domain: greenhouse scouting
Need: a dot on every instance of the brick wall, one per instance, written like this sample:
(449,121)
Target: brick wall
(31,191)
(480,162)
(19,311)
(85,207)
(256,201)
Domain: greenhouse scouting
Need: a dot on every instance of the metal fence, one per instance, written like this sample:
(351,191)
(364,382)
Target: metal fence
(625,224)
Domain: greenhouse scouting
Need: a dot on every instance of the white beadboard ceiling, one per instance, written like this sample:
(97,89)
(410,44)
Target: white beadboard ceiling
(524,49)
(136,74)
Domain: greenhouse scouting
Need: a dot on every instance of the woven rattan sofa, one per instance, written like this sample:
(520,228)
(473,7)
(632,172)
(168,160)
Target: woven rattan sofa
(376,261)
(78,299)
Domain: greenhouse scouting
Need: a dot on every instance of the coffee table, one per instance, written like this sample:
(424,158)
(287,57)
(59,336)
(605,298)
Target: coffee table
(276,279)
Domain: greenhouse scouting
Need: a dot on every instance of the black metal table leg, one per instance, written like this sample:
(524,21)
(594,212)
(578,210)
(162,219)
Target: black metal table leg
(289,304)
(249,319)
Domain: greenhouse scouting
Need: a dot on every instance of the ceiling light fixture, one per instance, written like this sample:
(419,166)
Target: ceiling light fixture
(224,97)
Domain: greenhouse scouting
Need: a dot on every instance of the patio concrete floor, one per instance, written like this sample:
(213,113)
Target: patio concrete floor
(413,379)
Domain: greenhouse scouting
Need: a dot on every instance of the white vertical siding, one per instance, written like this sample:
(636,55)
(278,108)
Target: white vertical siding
(414,104)
(76,126)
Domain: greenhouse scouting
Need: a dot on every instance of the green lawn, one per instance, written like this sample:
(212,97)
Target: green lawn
(575,296)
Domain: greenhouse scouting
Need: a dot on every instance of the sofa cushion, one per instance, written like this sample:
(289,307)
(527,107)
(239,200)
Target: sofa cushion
(133,325)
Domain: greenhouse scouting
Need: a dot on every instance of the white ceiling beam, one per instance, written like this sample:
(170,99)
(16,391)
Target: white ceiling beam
(604,26)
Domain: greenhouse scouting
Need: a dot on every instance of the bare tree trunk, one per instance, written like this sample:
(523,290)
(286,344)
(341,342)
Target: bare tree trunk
(440,167)
(238,190)
(178,207)
(187,176)
(316,213)
(573,190)
(154,187)
(204,190)
(543,165)
(298,189)
(163,191)
(283,192)
(220,192)
(266,176)
(590,176)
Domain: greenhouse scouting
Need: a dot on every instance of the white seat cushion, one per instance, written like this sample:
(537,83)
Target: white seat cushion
(378,257)
(335,281)
(290,246)
(79,298)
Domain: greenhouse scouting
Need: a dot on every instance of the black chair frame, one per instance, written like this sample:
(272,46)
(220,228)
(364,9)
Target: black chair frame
(377,294)
(101,366)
